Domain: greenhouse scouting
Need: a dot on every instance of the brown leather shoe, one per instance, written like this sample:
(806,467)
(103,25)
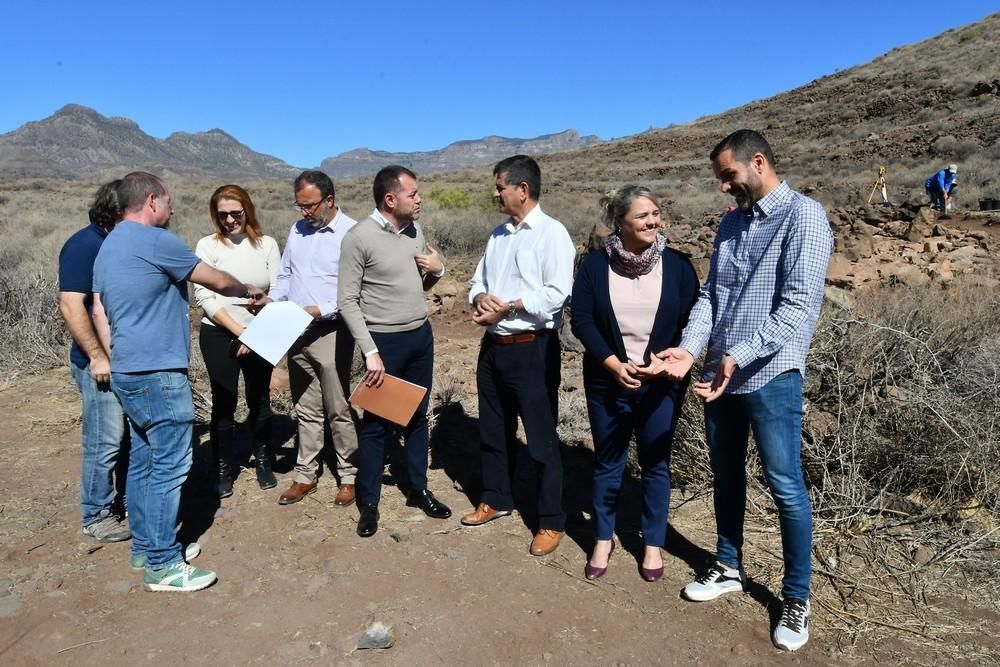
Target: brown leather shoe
(545,542)
(483,514)
(345,496)
(296,492)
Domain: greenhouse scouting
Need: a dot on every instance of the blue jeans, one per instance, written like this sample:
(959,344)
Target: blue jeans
(104,440)
(774,412)
(161,415)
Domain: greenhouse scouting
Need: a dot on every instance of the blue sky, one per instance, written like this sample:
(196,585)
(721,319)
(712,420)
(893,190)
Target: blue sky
(304,81)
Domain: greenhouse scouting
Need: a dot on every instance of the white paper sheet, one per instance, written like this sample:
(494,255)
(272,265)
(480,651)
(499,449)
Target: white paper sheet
(274,329)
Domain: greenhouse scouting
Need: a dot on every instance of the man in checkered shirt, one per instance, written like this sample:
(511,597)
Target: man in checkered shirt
(757,312)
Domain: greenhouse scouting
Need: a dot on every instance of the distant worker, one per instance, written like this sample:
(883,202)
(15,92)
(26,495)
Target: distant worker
(941,186)
(105,432)
(756,314)
(519,288)
(141,306)
(319,363)
(385,268)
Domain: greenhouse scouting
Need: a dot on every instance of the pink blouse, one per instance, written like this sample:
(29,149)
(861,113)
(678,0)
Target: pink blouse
(634,302)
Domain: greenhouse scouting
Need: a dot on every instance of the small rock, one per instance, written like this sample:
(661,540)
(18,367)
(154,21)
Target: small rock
(120,586)
(923,554)
(378,635)
(309,538)
(415,518)
(453,555)
(399,534)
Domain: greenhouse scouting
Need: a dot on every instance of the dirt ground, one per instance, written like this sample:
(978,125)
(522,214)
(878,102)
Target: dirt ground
(297,585)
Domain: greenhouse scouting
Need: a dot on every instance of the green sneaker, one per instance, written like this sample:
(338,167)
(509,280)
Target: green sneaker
(179,577)
(138,561)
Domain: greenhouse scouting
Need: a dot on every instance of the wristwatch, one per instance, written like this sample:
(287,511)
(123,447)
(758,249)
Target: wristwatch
(511,310)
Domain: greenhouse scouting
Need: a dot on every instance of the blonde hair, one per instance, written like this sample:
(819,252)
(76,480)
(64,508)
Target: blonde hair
(616,203)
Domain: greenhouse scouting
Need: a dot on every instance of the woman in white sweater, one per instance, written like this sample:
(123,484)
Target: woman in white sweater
(239,247)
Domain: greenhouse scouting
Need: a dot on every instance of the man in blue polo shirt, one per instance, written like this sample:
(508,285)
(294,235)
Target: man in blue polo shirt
(105,437)
(141,305)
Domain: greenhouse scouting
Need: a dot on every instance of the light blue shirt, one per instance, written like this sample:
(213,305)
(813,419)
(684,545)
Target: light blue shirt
(141,274)
(764,290)
(310,265)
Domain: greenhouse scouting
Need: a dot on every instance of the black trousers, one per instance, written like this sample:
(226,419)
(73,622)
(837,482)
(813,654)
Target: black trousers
(224,374)
(408,355)
(521,379)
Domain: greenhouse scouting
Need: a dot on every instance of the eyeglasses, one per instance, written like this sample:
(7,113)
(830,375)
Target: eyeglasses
(307,209)
(224,215)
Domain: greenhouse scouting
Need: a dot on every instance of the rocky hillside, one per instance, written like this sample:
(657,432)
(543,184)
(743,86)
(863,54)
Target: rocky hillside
(913,109)
(365,162)
(78,143)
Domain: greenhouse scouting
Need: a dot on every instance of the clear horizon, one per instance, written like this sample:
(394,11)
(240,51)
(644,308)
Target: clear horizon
(303,86)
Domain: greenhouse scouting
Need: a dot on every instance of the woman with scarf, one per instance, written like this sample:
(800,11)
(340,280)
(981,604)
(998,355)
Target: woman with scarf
(631,299)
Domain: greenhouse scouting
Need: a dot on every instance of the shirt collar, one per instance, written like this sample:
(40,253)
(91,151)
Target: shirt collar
(388,226)
(535,218)
(773,199)
(328,227)
(101,231)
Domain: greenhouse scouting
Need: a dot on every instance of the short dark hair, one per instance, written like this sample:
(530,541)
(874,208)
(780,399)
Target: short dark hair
(744,144)
(387,180)
(318,178)
(106,209)
(518,169)
(135,187)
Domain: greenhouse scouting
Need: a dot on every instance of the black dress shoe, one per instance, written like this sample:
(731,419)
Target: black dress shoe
(368,521)
(431,506)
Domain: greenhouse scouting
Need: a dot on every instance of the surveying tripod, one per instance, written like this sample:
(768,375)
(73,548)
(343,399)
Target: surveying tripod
(880,185)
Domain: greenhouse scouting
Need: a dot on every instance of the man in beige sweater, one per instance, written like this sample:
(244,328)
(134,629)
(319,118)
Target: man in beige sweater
(385,267)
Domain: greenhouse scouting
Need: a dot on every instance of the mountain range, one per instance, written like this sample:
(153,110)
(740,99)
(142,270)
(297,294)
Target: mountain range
(362,161)
(77,142)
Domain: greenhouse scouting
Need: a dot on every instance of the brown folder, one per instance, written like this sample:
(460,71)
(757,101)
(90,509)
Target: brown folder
(396,400)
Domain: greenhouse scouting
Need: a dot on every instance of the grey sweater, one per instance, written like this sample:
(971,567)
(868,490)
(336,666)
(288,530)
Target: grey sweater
(380,287)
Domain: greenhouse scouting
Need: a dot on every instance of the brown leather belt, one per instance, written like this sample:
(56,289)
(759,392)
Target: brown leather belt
(525,337)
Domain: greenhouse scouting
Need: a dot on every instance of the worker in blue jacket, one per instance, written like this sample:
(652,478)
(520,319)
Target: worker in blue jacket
(939,186)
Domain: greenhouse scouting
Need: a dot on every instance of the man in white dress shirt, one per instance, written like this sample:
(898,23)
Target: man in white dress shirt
(518,292)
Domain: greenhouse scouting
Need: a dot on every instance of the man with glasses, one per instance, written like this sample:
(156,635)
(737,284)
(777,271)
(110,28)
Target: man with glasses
(142,315)
(319,363)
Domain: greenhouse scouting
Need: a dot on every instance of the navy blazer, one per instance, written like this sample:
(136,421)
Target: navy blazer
(593,318)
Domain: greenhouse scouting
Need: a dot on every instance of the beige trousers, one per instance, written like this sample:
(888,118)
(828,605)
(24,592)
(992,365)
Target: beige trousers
(319,375)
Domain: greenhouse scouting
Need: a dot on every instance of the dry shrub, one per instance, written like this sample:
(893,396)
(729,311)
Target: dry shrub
(32,337)
(909,378)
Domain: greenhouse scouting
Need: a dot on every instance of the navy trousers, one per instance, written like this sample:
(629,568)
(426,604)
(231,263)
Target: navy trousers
(408,355)
(651,413)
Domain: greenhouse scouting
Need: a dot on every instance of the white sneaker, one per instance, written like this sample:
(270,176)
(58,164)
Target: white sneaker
(718,580)
(792,631)
(138,561)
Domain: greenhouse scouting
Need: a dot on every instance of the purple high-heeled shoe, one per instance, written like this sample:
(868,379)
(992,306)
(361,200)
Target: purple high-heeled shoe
(651,574)
(591,572)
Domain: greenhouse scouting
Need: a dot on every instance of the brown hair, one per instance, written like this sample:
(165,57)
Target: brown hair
(253,230)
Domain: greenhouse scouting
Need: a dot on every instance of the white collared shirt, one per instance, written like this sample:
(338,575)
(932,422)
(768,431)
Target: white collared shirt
(533,262)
